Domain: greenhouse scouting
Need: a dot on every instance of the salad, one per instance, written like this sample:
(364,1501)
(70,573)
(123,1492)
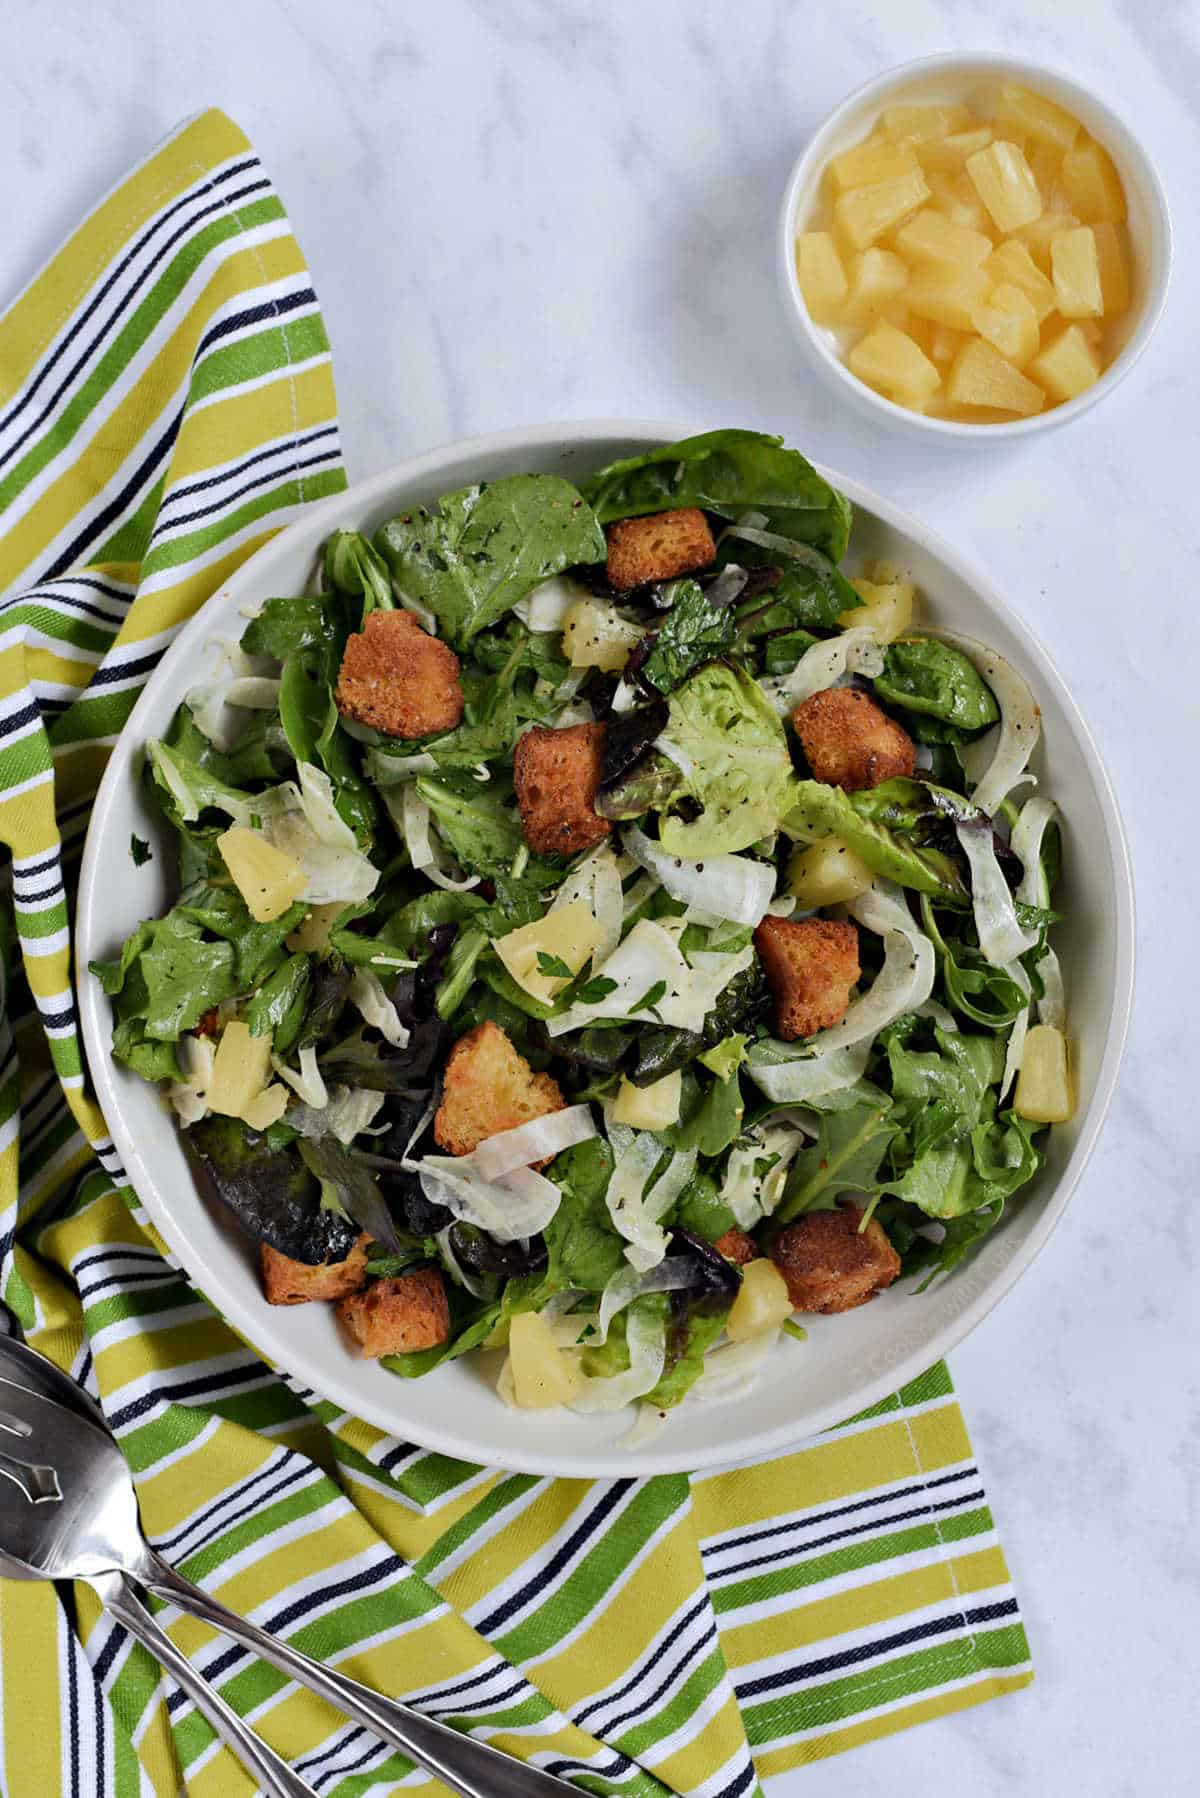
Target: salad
(605,929)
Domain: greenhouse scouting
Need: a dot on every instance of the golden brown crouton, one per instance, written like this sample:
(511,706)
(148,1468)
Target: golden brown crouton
(489,1087)
(288,1282)
(737,1247)
(399,679)
(393,1317)
(811,965)
(658,547)
(556,773)
(829,1265)
(849,741)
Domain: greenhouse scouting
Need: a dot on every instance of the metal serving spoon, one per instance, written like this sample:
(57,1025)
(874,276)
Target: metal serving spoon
(68,1510)
(22,1485)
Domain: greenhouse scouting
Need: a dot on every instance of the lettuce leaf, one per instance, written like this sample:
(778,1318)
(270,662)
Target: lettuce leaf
(729,744)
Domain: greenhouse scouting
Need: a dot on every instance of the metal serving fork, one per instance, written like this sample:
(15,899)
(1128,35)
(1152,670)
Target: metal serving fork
(68,1510)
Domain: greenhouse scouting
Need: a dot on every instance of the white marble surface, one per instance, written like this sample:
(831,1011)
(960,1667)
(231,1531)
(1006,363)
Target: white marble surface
(518,210)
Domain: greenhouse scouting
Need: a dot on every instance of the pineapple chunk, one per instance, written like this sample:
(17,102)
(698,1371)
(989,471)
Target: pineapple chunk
(1038,236)
(877,279)
(946,293)
(654,1107)
(542,1374)
(821,275)
(1044,1083)
(567,932)
(1047,172)
(1004,182)
(827,873)
(886,610)
(596,636)
(761,1304)
(945,343)
(918,124)
(875,159)
(1008,321)
(889,360)
(1114,267)
(311,935)
(240,1069)
(1092,184)
(1010,264)
(932,237)
(949,154)
(1067,366)
(267,1107)
(954,196)
(865,213)
(268,880)
(1076,272)
(1037,117)
(982,377)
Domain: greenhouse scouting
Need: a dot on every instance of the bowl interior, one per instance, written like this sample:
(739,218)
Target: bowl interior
(947,79)
(849,1361)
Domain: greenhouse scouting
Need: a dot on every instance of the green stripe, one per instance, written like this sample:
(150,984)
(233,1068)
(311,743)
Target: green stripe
(63,624)
(177,552)
(272,350)
(492,1505)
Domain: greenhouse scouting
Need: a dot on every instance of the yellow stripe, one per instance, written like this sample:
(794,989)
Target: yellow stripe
(517,1542)
(411,1533)
(48,975)
(714,1745)
(34,320)
(772,1761)
(29,1621)
(200,1340)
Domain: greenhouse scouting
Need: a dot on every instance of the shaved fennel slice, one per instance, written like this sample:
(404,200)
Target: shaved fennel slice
(1018,1032)
(414,820)
(304,823)
(854,651)
(548,604)
(596,879)
(635,1212)
(1033,821)
(1020,720)
(539,1140)
(1001,938)
(308,1084)
(189,1094)
(366,992)
(349,1111)
(650,957)
(751,1196)
(1052,1006)
(808,1078)
(392,770)
(725,886)
(732,1371)
(627,1284)
(518,1205)
(647,1339)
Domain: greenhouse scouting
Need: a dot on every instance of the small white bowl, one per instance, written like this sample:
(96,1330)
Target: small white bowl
(935,79)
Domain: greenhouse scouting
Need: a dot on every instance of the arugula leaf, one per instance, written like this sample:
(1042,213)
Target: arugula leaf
(277,1008)
(694,631)
(258,948)
(186,785)
(168,976)
(354,565)
(459,972)
(149,1060)
(584,1249)
(698,1336)
(823,811)
(728,472)
(470,1326)
(485,547)
(553,966)
(476,818)
(846,1157)
(141,851)
(285,626)
(985,994)
(716,1120)
(922,675)
(699,1208)
(783,650)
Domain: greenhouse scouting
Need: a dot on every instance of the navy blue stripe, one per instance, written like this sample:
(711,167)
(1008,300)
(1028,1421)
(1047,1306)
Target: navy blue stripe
(622,1692)
(869,1651)
(236,468)
(611,1499)
(273,477)
(16,721)
(822,1517)
(119,671)
(159,452)
(185,1389)
(253,315)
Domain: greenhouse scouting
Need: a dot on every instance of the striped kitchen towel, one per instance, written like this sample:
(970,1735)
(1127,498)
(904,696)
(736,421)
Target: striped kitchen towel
(166,403)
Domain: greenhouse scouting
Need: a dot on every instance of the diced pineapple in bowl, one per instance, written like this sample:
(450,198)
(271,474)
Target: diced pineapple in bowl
(975,247)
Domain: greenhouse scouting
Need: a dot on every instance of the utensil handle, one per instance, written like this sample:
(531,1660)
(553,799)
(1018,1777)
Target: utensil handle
(465,1765)
(275,1777)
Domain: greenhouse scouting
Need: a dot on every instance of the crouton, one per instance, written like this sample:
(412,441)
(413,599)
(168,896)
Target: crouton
(659,547)
(288,1282)
(849,741)
(556,773)
(737,1247)
(393,1317)
(811,965)
(399,679)
(489,1087)
(829,1265)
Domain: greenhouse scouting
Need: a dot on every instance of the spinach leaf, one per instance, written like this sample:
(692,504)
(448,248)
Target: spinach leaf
(269,1191)
(477,819)
(485,547)
(277,1008)
(846,1157)
(699,1208)
(923,675)
(694,631)
(823,811)
(285,626)
(806,591)
(728,472)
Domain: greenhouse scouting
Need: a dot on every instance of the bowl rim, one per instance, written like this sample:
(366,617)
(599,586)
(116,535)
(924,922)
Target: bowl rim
(252,1319)
(1120,137)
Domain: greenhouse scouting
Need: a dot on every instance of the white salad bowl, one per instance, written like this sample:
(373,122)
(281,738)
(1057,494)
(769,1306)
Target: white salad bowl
(955,76)
(848,1361)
